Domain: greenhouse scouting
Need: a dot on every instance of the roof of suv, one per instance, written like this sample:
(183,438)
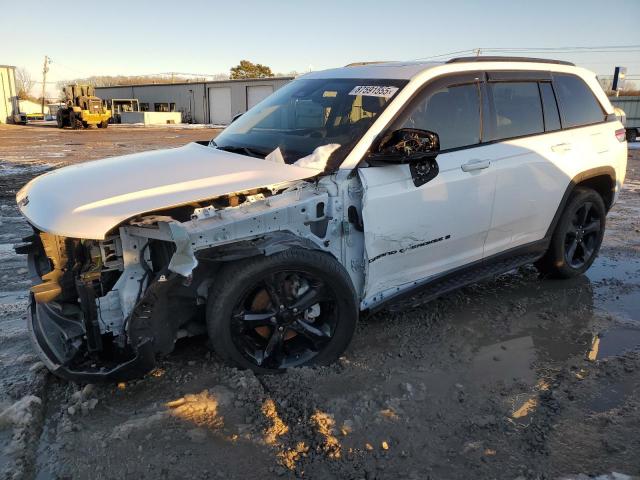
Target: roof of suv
(408,70)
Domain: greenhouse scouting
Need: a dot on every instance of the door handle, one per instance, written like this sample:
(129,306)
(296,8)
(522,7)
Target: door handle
(473,165)
(561,147)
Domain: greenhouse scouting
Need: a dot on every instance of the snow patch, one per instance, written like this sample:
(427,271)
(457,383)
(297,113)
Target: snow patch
(20,413)
(124,430)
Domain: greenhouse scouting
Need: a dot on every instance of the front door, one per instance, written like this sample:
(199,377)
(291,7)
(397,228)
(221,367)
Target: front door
(416,232)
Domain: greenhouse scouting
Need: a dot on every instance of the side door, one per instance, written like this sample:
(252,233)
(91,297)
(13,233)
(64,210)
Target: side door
(537,150)
(415,232)
(528,149)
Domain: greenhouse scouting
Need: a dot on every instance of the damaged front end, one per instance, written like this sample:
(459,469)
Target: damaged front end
(107,309)
(80,289)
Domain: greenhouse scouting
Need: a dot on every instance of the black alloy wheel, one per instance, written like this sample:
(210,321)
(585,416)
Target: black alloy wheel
(577,237)
(293,308)
(285,321)
(582,236)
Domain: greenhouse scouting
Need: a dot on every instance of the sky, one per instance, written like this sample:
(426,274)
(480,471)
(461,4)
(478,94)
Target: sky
(133,37)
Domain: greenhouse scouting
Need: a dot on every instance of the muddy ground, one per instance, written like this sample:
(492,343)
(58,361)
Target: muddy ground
(518,377)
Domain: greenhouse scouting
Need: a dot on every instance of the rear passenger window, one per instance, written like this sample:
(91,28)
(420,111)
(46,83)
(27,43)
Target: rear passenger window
(453,113)
(550,108)
(578,105)
(518,109)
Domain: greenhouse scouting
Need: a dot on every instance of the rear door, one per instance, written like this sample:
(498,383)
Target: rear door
(528,151)
(415,232)
(539,147)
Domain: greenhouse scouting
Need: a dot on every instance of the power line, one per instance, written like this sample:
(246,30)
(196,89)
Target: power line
(574,49)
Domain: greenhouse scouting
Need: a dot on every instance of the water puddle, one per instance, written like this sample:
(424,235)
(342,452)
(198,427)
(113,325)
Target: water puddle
(614,342)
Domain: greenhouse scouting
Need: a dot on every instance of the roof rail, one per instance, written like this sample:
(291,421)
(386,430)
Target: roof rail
(508,59)
(360,64)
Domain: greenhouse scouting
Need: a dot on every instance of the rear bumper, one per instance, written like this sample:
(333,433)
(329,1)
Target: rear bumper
(58,340)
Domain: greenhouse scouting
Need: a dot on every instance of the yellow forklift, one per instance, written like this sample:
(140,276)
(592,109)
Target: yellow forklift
(82,108)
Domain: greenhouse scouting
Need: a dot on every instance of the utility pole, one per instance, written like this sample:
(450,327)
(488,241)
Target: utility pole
(45,69)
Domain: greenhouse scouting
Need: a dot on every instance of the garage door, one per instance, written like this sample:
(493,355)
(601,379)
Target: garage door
(220,105)
(257,93)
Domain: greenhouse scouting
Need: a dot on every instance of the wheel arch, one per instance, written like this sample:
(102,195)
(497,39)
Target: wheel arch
(600,179)
(266,245)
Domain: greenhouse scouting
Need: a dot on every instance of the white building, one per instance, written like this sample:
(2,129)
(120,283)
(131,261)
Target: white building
(31,107)
(8,94)
(200,102)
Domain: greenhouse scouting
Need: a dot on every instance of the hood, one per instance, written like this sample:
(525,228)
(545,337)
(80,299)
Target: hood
(89,199)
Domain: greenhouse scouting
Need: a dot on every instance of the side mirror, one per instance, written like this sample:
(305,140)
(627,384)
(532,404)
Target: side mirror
(406,145)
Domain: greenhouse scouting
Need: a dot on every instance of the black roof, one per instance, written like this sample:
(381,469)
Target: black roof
(508,59)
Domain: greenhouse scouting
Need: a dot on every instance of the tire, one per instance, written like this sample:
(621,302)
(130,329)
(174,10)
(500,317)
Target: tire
(74,121)
(103,124)
(249,330)
(631,134)
(577,238)
(60,120)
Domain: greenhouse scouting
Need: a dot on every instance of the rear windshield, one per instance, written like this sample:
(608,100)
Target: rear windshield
(308,113)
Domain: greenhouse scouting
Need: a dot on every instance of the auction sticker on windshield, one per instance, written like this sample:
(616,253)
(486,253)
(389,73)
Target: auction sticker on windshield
(374,91)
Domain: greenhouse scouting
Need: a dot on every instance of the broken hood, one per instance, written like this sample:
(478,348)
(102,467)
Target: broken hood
(89,199)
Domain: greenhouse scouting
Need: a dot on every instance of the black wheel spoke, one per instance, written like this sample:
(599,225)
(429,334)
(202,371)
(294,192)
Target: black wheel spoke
(254,320)
(592,227)
(273,350)
(273,286)
(571,251)
(316,336)
(584,214)
(310,298)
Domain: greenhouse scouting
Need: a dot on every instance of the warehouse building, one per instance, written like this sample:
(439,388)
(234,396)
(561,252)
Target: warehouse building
(200,102)
(8,95)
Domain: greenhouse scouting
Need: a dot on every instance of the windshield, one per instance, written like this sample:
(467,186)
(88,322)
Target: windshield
(306,114)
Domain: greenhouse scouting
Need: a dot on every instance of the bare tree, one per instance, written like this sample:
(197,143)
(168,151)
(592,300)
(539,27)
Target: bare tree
(24,83)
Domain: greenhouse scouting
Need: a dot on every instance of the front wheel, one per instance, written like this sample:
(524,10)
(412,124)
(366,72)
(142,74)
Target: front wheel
(293,308)
(578,236)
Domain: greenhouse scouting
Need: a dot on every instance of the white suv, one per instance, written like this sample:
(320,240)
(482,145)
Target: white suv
(345,190)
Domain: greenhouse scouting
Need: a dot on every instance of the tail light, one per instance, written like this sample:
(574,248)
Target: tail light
(621,135)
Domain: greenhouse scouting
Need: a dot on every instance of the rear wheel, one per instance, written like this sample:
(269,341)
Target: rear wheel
(60,120)
(632,134)
(293,308)
(103,124)
(578,236)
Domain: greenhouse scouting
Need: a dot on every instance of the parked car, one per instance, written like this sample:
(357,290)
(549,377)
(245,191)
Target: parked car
(343,192)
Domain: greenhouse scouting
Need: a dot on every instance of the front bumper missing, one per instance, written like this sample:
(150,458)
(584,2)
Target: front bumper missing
(58,339)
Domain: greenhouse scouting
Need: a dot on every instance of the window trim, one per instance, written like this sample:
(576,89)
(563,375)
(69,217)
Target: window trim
(447,80)
(481,77)
(555,98)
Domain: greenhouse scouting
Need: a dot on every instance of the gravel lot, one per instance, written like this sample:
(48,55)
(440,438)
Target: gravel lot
(518,377)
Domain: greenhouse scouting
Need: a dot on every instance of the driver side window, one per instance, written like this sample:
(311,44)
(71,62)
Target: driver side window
(452,112)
